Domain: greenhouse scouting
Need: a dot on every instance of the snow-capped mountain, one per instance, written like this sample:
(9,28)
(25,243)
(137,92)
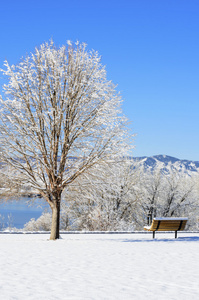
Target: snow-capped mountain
(164,160)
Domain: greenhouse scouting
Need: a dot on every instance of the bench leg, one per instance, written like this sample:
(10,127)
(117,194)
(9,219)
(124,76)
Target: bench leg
(153,234)
(176,234)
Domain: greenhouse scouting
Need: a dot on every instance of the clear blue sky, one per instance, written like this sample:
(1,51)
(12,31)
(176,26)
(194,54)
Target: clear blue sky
(150,49)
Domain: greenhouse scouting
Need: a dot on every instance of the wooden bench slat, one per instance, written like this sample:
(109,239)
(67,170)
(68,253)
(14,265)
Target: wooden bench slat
(167,224)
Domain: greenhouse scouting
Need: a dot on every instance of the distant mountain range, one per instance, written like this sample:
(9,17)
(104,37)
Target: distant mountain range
(165,160)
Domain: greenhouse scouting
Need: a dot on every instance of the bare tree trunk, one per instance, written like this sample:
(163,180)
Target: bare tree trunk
(55,220)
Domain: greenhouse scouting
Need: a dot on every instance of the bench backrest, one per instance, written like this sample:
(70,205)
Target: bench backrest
(173,224)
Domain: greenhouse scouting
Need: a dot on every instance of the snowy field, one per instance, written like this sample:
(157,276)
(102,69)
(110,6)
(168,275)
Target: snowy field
(99,266)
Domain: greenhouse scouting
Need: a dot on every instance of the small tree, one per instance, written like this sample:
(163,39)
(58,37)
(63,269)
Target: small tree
(59,117)
(103,202)
(168,192)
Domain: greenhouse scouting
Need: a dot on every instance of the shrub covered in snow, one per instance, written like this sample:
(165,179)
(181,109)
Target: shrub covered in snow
(43,223)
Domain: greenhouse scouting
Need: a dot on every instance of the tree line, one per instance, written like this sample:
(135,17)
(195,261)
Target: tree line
(126,197)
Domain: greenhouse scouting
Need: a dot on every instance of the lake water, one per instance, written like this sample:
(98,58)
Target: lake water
(21,210)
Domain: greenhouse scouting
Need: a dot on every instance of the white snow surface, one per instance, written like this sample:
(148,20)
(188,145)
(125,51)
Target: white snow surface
(99,266)
(172,219)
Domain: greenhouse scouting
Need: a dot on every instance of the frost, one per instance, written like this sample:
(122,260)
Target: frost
(58,104)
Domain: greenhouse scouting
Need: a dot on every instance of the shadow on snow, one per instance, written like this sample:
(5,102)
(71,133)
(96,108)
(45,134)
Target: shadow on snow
(180,239)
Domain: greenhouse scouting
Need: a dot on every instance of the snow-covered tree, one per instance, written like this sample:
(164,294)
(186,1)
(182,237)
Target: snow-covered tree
(167,192)
(43,223)
(2,223)
(104,199)
(59,116)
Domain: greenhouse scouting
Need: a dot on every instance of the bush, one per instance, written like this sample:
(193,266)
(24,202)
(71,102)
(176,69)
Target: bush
(43,223)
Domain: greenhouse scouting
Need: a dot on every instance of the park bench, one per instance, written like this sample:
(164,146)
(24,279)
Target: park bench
(167,224)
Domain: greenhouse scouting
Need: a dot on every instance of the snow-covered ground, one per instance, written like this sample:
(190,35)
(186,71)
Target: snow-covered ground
(99,266)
